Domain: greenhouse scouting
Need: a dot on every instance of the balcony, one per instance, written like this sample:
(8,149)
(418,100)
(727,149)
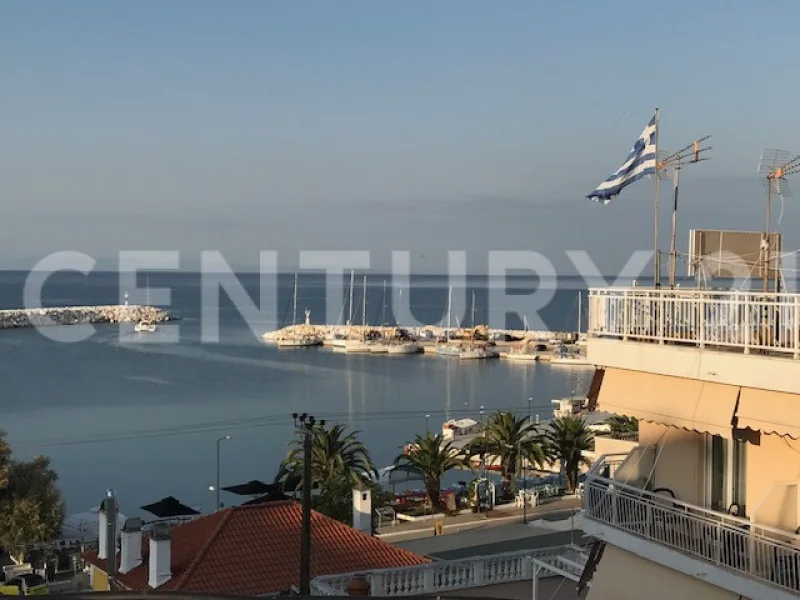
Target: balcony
(447,576)
(735,321)
(749,339)
(729,552)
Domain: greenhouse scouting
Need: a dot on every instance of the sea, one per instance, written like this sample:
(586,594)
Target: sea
(143,414)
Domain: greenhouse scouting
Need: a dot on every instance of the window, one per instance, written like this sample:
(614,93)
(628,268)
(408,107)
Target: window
(719,479)
(739,479)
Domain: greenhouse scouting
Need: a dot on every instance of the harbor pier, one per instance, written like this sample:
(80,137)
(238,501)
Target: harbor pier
(81,315)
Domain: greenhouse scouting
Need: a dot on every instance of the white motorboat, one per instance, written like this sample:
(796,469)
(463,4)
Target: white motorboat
(306,341)
(378,348)
(521,356)
(404,348)
(477,353)
(145,327)
(571,360)
(357,347)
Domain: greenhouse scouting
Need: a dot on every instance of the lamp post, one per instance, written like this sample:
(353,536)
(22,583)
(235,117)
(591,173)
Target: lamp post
(216,489)
(427,429)
(109,505)
(305,425)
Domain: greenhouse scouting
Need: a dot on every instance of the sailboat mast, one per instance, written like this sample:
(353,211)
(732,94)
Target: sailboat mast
(352,276)
(473,308)
(383,308)
(364,304)
(580,311)
(294,305)
(449,303)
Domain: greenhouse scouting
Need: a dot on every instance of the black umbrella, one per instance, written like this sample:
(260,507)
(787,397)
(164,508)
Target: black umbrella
(251,488)
(169,507)
(272,496)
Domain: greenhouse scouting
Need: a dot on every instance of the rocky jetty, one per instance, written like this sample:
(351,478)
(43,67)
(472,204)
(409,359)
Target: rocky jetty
(81,315)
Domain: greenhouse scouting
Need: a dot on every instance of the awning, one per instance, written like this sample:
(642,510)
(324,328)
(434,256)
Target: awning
(769,412)
(688,403)
(594,389)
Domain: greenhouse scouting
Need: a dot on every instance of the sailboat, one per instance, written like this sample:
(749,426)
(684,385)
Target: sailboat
(473,352)
(360,346)
(146,325)
(297,341)
(446,348)
(572,359)
(338,339)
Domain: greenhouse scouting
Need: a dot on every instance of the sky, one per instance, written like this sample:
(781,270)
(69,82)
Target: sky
(425,126)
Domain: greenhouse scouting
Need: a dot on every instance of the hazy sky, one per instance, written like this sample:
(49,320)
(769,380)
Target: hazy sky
(426,126)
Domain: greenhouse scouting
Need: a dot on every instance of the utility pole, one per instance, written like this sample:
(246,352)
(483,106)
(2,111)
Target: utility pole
(216,506)
(305,425)
(110,507)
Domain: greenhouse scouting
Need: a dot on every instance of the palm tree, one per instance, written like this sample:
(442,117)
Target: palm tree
(513,440)
(430,458)
(335,455)
(568,438)
(622,427)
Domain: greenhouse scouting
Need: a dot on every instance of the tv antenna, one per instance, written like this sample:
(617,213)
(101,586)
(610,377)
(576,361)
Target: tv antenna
(776,166)
(671,165)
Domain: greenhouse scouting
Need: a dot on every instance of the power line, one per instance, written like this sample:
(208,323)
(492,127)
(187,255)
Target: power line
(250,423)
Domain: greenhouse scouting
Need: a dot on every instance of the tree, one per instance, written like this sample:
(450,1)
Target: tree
(568,437)
(335,456)
(31,510)
(513,440)
(5,459)
(622,427)
(430,458)
(336,500)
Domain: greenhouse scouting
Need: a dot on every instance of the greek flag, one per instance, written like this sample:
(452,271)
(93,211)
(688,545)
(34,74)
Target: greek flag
(640,162)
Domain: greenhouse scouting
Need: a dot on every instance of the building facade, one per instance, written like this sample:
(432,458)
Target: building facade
(708,505)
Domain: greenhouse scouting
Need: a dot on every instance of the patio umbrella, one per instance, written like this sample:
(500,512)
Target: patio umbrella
(169,507)
(254,487)
(271,496)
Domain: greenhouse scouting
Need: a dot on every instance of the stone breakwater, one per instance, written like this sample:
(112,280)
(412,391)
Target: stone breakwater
(81,315)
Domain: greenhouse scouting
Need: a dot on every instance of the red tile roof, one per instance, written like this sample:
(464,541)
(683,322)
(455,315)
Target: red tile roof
(254,550)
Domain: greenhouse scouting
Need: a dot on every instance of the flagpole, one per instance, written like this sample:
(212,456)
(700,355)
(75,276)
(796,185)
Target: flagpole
(656,257)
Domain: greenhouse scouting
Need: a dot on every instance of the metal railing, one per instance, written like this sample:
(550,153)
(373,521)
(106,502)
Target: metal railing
(743,321)
(443,576)
(764,553)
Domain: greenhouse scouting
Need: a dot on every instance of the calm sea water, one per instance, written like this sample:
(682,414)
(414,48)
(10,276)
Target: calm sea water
(123,411)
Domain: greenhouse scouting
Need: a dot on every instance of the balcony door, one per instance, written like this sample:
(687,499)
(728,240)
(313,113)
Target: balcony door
(725,473)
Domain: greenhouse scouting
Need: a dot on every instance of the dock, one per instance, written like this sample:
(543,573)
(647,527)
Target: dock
(81,315)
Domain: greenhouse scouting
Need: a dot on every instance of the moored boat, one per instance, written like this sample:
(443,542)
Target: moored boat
(404,348)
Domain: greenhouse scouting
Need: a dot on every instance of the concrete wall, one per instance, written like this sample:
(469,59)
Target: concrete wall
(775,459)
(607,445)
(680,460)
(622,575)
(732,368)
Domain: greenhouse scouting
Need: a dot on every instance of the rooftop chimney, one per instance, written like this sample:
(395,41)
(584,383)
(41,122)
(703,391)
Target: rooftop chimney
(131,556)
(160,565)
(362,509)
(102,535)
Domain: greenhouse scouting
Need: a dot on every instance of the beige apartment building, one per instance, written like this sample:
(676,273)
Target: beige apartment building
(708,505)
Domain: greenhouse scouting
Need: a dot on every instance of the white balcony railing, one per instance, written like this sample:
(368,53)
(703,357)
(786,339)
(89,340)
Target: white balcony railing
(442,576)
(743,321)
(766,554)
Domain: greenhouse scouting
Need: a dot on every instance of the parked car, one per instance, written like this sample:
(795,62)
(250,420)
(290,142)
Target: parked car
(29,584)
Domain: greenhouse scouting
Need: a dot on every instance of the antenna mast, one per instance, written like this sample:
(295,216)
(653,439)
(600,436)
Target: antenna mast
(688,155)
(776,166)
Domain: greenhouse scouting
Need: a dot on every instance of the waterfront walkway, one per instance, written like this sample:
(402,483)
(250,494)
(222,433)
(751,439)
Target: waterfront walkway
(553,509)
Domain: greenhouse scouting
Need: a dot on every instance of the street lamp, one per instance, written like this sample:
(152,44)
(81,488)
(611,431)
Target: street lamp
(427,429)
(216,489)
(305,425)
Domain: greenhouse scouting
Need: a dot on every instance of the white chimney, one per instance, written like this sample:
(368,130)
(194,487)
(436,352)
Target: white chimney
(362,509)
(131,556)
(160,565)
(102,535)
